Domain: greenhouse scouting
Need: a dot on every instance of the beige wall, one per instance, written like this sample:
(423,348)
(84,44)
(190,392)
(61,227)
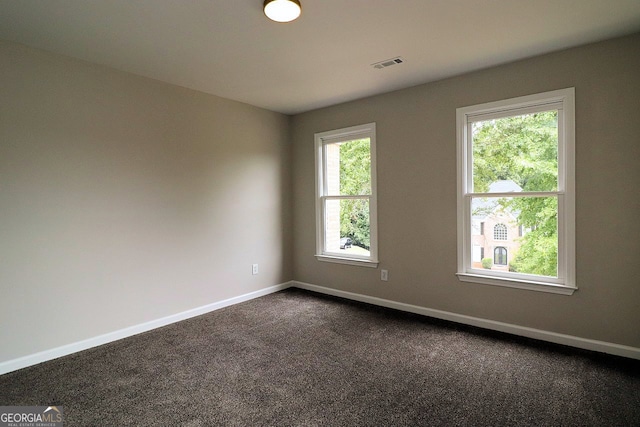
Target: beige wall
(416,147)
(124,200)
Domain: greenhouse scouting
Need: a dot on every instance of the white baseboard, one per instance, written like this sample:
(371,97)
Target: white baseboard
(587,344)
(569,340)
(54,353)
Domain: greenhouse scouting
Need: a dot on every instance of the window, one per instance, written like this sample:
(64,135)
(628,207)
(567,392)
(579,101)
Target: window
(499,232)
(346,205)
(516,167)
(500,255)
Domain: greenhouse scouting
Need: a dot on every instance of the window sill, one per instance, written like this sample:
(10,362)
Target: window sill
(348,261)
(518,284)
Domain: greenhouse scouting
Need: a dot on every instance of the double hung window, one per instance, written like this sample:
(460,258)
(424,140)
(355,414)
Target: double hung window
(346,218)
(516,171)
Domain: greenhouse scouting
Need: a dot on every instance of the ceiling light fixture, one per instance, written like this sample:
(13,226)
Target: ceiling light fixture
(282,10)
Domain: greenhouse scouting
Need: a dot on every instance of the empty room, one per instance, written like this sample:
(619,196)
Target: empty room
(319,213)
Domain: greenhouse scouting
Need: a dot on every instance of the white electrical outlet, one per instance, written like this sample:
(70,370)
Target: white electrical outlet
(384,275)
(254,269)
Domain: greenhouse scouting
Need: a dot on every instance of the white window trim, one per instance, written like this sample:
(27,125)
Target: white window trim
(565,282)
(321,139)
(500,230)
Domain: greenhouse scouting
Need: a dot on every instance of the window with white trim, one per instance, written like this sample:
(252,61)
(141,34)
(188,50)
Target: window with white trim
(346,220)
(499,232)
(516,159)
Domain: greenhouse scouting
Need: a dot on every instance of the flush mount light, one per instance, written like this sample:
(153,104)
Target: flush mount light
(282,10)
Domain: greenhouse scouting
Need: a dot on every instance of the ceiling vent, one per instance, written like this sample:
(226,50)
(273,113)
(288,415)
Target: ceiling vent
(388,63)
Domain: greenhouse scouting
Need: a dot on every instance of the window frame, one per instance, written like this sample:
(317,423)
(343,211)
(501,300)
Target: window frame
(500,232)
(503,253)
(564,101)
(322,139)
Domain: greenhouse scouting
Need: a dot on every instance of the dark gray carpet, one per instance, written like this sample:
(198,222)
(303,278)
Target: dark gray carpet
(299,358)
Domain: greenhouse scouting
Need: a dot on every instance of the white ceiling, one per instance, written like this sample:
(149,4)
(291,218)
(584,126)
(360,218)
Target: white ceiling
(229,48)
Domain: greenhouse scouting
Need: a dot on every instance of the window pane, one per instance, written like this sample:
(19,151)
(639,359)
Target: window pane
(500,232)
(514,154)
(500,255)
(348,168)
(524,237)
(347,226)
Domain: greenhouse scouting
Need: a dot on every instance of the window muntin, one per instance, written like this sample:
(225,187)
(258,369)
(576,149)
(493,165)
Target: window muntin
(500,232)
(500,255)
(346,201)
(515,167)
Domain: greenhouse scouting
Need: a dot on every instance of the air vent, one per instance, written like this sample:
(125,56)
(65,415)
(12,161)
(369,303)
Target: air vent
(388,63)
